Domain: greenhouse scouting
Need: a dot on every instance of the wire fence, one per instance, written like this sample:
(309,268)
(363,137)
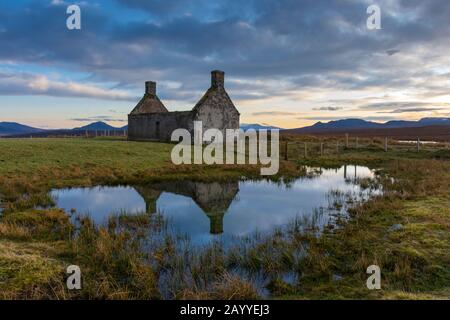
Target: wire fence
(105,133)
(293,148)
(77,134)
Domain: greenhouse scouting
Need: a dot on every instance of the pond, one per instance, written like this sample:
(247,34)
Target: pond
(415,142)
(226,210)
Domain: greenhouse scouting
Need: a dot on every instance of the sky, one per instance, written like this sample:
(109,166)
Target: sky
(288,63)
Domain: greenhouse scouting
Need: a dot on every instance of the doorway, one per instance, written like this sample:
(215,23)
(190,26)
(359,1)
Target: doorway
(157,133)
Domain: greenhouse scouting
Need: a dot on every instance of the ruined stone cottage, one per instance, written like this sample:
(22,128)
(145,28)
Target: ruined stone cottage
(150,119)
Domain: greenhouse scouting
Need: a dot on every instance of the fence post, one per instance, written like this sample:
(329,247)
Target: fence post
(286,151)
(356,142)
(337,146)
(346,140)
(321,149)
(385,144)
(418,144)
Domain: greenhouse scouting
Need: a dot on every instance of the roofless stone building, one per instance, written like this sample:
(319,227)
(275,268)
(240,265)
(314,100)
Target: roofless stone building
(150,119)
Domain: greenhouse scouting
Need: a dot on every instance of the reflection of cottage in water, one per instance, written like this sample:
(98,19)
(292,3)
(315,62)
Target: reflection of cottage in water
(213,198)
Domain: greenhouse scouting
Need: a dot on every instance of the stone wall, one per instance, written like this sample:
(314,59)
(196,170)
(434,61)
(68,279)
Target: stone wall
(158,126)
(217,111)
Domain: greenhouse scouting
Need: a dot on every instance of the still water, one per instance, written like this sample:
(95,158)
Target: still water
(224,210)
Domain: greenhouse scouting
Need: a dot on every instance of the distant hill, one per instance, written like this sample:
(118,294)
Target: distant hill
(10,129)
(13,128)
(246,126)
(99,126)
(360,124)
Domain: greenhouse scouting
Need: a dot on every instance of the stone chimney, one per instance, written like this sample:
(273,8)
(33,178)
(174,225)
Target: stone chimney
(216,224)
(150,87)
(217,79)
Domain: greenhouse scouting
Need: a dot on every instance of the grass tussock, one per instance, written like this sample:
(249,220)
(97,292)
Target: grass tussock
(227,287)
(28,271)
(113,263)
(50,225)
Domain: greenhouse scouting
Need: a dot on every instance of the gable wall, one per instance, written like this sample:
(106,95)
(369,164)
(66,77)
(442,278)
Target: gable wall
(218,112)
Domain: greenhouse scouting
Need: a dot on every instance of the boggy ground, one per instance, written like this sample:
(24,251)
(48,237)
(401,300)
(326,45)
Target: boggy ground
(119,261)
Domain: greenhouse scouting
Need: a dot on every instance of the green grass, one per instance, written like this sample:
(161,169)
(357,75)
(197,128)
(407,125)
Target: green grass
(29,270)
(37,245)
(31,155)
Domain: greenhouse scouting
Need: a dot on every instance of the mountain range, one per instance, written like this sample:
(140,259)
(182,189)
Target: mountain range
(256,126)
(355,124)
(13,128)
(17,129)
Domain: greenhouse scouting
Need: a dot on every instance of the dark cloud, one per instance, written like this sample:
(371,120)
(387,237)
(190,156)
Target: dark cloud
(166,9)
(98,118)
(306,43)
(391,52)
(329,118)
(414,110)
(403,106)
(327,108)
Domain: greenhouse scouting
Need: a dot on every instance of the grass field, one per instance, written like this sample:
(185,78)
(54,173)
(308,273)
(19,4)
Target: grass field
(37,245)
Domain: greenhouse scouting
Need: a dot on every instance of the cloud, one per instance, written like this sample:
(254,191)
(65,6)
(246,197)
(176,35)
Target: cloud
(292,44)
(328,108)
(391,52)
(369,118)
(99,118)
(274,113)
(404,106)
(414,110)
(32,84)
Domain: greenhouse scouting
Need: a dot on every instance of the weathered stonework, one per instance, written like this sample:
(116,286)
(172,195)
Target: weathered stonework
(150,119)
